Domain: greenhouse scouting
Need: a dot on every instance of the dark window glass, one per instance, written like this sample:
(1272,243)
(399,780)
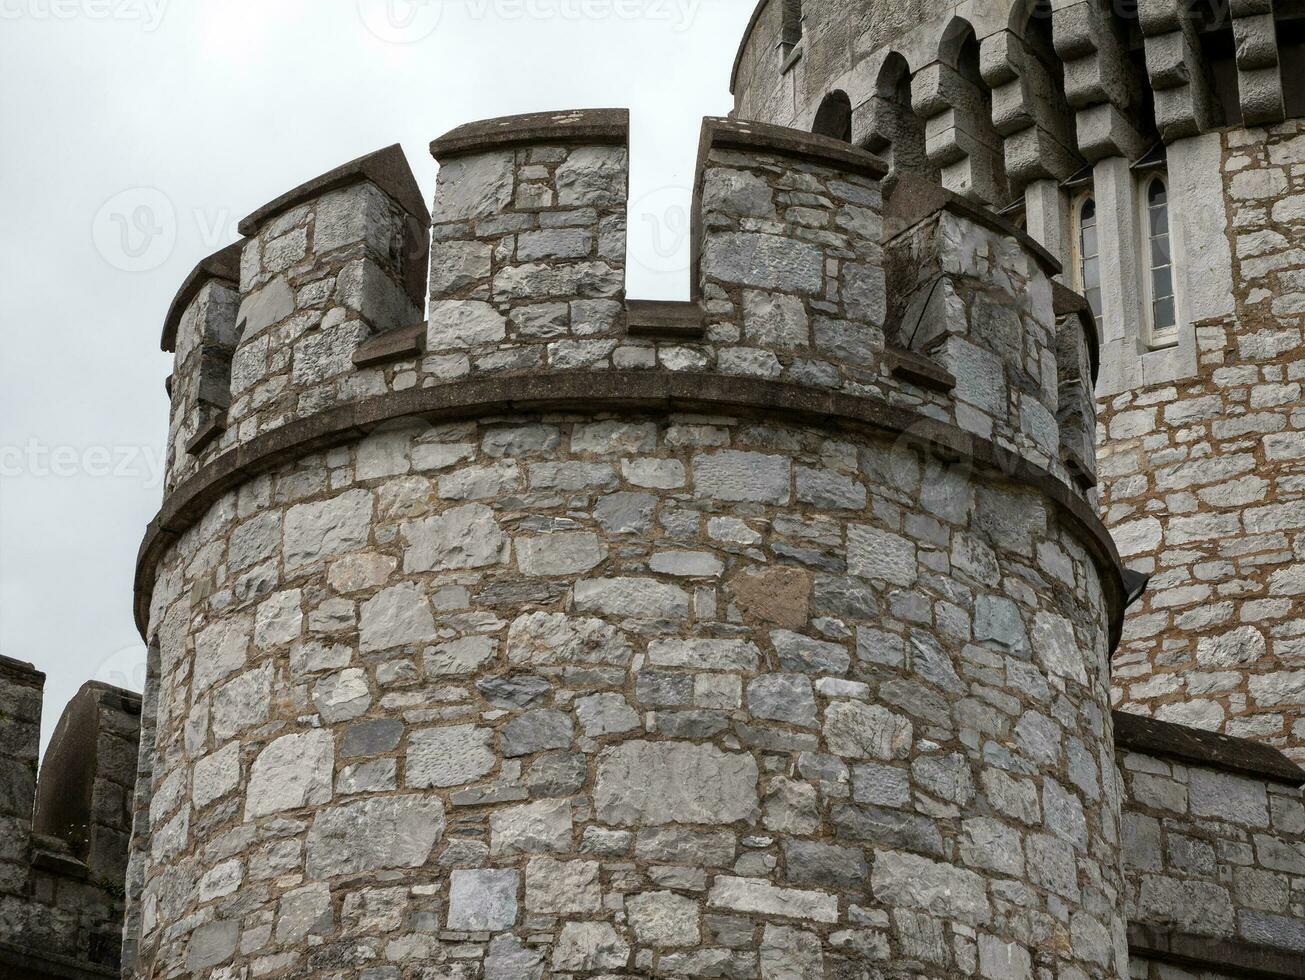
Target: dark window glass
(1162,280)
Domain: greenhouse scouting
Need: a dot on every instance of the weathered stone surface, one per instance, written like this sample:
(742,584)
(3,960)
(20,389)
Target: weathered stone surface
(327,528)
(536,731)
(459,657)
(483,900)
(606,714)
(912,881)
(508,959)
(562,887)
(221,650)
(531,827)
(876,554)
(635,598)
(370,834)
(293,771)
(590,946)
(462,537)
(791,954)
(515,691)
(643,783)
(398,616)
(762,260)
(216,775)
(343,695)
(555,638)
(783,697)
(663,919)
(733,475)
(866,731)
(756,895)
(559,554)
(704,654)
(449,756)
(809,656)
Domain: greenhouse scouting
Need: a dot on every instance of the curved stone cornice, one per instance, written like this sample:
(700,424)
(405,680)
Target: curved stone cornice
(625,391)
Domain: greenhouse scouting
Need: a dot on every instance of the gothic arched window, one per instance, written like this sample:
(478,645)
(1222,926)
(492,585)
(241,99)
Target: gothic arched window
(1087,253)
(834,117)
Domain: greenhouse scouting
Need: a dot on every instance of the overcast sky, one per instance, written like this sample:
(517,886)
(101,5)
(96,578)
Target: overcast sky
(134,134)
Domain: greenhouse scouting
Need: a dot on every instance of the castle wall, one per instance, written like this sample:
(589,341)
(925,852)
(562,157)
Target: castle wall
(1200,482)
(63,845)
(775,647)
(1214,850)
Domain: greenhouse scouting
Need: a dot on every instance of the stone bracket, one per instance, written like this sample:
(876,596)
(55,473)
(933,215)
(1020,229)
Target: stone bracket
(664,318)
(1259,74)
(1184,102)
(403,344)
(1101,83)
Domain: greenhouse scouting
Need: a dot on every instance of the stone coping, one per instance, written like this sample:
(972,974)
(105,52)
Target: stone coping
(807,147)
(915,199)
(1243,756)
(20,671)
(1066,301)
(599,391)
(387,168)
(1219,956)
(223,265)
(743,44)
(112,696)
(588,126)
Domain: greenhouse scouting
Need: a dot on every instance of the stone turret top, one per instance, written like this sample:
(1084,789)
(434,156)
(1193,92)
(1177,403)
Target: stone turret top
(223,265)
(589,126)
(722,132)
(388,169)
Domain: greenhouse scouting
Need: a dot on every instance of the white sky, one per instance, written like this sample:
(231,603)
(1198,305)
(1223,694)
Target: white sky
(134,134)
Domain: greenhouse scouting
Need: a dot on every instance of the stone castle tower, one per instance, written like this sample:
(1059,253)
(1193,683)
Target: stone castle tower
(1157,149)
(502,626)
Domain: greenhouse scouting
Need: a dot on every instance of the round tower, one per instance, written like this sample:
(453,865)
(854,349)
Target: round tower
(1158,149)
(762,635)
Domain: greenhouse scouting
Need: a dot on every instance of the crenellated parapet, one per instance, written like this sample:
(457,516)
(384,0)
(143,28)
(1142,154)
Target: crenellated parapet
(791,284)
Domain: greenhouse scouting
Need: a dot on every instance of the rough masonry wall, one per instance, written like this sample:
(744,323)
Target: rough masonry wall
(1213,854)
(639,694)
(1202,481)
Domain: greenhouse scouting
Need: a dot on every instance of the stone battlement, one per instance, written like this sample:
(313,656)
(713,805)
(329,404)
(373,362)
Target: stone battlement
(65,834)
(804,282)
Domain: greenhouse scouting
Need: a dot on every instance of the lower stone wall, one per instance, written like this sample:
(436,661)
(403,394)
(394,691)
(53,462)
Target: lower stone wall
(1213,853)
(641,696)
(1140,968)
